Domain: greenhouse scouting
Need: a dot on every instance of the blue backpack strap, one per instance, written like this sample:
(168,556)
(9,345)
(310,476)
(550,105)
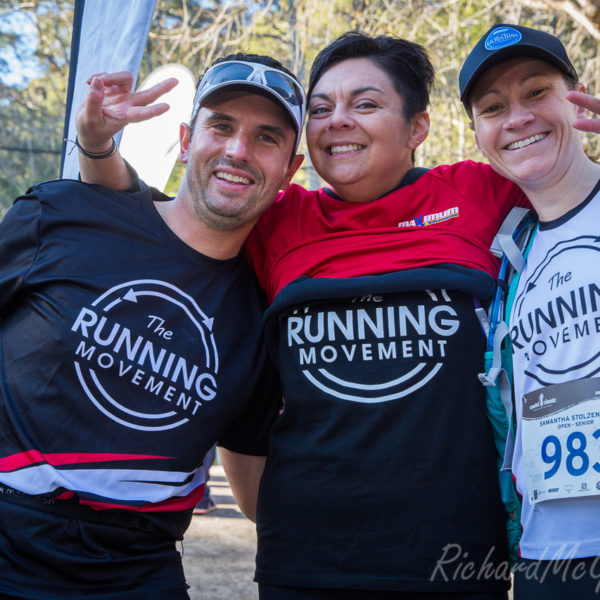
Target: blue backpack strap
(513,237)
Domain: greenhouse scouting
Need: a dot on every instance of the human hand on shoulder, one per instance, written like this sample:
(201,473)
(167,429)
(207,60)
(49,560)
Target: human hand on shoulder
(111,104)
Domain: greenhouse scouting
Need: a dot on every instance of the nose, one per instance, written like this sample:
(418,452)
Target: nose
(340,117)
(238,146)
(518,117)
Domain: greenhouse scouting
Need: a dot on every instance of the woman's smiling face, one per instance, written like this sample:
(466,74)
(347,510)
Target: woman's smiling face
(523,121)
(358,138)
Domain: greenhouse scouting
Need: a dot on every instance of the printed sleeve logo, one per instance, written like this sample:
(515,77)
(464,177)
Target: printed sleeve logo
(502,37)
(145,355)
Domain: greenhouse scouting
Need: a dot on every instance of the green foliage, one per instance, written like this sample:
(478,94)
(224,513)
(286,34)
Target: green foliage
(37,33)
(195,32)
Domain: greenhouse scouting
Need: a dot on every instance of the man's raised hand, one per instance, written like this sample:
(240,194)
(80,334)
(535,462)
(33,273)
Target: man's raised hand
(110,105)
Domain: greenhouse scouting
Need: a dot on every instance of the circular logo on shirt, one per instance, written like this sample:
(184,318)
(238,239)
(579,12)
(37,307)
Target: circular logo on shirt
(556,314)
(375,349)
(145,355)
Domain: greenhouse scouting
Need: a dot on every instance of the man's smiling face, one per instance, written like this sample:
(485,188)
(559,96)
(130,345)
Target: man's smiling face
(238,158)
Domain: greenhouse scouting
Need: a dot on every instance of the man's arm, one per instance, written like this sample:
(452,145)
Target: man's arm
(110,105)
(19,249)
(243,473)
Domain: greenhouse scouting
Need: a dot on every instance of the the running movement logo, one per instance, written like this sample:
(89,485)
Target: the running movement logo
(332,347)
(145,355)
(557,311)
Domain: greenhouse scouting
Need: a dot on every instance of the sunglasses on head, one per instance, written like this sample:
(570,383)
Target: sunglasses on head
(258,75)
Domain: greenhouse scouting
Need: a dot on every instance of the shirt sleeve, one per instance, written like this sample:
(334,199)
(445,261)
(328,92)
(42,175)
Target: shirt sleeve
(255,254)
(19,246)
(249,432)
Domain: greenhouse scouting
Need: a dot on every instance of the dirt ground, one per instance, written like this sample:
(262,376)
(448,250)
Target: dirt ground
(219,549)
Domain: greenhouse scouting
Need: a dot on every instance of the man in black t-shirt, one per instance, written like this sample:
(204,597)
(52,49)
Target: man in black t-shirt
(130,342)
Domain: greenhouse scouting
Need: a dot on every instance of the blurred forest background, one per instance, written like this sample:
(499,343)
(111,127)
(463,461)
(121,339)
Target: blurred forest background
(35,38)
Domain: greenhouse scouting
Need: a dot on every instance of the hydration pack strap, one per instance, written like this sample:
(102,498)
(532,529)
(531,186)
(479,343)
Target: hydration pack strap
(511,245)
(504,244)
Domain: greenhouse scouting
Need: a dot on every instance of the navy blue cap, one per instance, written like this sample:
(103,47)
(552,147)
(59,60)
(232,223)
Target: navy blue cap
(502,42)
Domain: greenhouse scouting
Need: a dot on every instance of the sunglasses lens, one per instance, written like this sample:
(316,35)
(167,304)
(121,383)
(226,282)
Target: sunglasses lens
(229,72)
(283,85)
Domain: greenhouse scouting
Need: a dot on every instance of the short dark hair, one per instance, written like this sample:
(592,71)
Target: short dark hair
(406,63)
(256,58)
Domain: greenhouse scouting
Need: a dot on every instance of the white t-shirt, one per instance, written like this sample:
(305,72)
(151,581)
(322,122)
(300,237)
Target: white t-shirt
(555,334)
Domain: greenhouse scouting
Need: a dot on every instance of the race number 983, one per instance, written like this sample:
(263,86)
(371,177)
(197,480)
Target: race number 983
(576,458)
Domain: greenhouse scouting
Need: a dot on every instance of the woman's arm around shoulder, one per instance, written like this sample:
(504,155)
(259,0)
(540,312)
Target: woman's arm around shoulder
(243,472)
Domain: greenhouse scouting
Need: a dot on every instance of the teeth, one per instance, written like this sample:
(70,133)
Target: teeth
(526,142)
(347,148)
(233,178)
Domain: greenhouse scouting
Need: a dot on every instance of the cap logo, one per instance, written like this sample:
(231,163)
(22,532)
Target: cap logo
(502,37)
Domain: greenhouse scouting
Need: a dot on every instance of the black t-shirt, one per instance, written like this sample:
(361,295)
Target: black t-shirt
(382,465)
(124,354)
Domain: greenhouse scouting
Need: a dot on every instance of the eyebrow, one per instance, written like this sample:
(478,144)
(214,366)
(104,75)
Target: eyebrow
(273,129)
(217,116)
(520,82)
(356,92)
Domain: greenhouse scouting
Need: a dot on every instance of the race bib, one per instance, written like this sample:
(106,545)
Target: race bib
(560,434)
